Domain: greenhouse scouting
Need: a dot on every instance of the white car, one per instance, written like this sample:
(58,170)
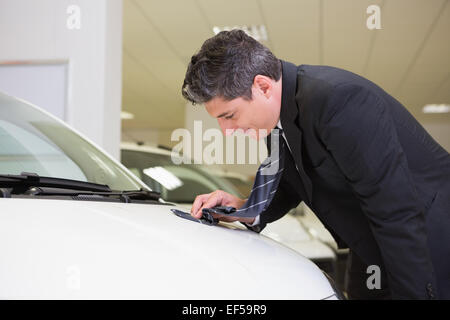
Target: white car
(76,224)
(182,183)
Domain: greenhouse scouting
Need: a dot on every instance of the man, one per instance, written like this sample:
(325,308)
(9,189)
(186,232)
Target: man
(357,158)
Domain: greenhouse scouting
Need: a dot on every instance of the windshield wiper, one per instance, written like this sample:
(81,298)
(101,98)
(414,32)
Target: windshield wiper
(21,183)
(31,184)
(123,196)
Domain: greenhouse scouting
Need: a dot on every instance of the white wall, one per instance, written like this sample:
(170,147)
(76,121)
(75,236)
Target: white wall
(37,30)
(42,84)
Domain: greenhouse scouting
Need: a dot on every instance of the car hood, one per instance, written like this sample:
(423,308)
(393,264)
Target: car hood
(290,232)
(68,249)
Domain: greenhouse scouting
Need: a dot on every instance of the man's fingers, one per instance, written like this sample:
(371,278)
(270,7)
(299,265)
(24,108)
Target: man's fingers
(217,198)
(213,200)
(198,202)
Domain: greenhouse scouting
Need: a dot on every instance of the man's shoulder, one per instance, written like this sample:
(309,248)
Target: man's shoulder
(310,81)
(328,76)
(321,88)
(317,84)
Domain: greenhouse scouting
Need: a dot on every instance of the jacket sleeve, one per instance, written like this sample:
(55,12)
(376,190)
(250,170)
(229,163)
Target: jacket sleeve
(358,130)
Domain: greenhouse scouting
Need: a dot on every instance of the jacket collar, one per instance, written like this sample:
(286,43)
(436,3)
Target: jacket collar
(289,110)
(288,116)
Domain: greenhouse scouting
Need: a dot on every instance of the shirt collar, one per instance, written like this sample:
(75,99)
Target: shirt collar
(279,124)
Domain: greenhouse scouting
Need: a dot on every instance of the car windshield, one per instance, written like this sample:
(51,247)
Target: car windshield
(176,183)
(32,141)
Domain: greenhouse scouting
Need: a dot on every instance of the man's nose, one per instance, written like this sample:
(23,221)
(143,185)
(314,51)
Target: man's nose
(227,125)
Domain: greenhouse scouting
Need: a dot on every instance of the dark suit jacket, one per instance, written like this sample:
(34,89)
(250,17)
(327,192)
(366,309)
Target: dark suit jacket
(371,173)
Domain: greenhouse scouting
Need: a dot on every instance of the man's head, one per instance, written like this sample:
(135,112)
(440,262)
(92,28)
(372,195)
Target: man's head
(239,81)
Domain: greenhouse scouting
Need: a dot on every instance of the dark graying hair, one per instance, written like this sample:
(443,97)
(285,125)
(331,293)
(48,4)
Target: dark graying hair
(226,66)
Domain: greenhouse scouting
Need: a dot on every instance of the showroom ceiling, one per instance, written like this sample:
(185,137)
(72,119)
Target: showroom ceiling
(409,56)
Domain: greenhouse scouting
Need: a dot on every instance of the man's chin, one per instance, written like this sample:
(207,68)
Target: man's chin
(256,134)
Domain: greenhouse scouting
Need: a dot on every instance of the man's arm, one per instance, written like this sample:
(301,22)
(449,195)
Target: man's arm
(357,129)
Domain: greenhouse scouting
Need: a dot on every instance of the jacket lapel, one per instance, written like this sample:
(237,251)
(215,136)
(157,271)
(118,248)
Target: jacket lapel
(288,117)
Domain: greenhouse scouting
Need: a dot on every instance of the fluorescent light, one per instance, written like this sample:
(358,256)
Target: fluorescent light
(258,32)
(164,177)
(126,115)
(436,108)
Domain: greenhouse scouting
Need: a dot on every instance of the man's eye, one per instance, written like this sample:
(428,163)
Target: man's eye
(230,116)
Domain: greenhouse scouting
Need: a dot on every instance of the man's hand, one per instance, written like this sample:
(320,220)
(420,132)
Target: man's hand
(218,198)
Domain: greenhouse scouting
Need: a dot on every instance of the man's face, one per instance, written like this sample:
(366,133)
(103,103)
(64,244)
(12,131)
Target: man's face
(261,112)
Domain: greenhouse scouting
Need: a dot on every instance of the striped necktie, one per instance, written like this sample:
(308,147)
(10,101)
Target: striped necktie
(266,182)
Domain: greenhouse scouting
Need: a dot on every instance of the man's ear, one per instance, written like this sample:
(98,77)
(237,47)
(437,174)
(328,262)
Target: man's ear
(263,84)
